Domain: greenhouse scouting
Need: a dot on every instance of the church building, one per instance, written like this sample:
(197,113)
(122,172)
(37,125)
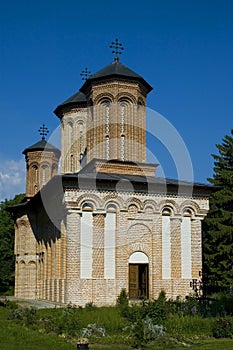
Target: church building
(105,221)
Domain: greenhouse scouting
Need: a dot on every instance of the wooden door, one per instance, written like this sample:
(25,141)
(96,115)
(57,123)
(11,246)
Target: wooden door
(133,281)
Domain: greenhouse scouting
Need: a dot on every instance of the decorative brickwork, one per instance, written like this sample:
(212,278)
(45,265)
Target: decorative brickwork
(176,248)
(98,247)
(110,206)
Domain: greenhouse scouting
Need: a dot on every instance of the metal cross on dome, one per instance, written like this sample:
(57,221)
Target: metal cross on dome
(85,74)
(43,131)
(117,48)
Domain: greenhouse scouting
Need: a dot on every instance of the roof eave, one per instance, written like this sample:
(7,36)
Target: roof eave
(67,107)
(88,82)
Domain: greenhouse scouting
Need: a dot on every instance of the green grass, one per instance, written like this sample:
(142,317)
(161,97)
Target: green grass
(189,325)
(223,344)
(14,335)
(106,316)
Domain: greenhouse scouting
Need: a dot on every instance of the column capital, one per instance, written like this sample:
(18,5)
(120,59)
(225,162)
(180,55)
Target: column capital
(178,218)
(197,218)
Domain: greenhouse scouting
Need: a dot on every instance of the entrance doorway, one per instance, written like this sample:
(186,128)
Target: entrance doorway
(138,276)
(138,281)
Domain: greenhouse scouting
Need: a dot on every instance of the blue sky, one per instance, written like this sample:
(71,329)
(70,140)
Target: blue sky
(183,48)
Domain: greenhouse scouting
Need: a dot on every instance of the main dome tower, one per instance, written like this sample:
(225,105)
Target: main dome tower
(106,118)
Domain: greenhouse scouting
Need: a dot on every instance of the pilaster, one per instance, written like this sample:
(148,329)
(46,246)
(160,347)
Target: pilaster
(175,248)
(72,255)
(98,246)
(196,242)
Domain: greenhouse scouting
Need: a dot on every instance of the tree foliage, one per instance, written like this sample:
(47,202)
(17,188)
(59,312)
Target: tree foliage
(218,226)
(7,244)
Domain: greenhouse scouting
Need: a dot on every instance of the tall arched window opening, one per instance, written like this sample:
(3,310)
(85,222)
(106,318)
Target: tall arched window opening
(70,135)
(80,133)
(35,178)
(44,170)
(123,108)
(107,128)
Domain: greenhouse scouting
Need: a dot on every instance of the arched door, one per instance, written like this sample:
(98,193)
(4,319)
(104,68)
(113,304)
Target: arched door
(138,275)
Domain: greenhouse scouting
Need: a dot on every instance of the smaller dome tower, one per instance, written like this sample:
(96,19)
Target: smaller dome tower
(42,163)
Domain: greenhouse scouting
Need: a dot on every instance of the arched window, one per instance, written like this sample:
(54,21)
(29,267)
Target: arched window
(107,128)
(87,207)
(187,212)
(138,258)
(81,138)
(35,178)
(111,208)
(123,108)
(44,171)
(166,211)
(140,104)
(35,170)
(70,134)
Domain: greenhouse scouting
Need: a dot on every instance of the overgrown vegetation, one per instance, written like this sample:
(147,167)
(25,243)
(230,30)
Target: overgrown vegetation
(147,324)
(7,260)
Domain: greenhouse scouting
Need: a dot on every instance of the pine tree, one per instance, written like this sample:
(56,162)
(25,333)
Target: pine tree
(7,244)
(218,226)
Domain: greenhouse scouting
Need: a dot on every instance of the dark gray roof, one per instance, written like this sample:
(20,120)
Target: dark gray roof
(116,69)
(77,99)
(145,184)
(42,145)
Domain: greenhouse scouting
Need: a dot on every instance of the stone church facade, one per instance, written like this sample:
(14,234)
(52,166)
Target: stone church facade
(106,222)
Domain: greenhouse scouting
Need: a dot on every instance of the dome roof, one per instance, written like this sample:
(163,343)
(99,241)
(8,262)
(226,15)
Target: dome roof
(77,99)
(116,70)
(42,145)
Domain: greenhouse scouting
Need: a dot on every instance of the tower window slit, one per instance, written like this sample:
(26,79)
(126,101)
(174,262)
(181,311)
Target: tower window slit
(107,130)
(123,110)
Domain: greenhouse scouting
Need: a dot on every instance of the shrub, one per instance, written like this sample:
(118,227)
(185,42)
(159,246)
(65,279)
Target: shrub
(64,321)
(123,303)
(93,330)
(30,316)
(27,315)
(138,334)
(223,328)
(122,299)
(152,331)
(156,310)
(15,314)
(90,306)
